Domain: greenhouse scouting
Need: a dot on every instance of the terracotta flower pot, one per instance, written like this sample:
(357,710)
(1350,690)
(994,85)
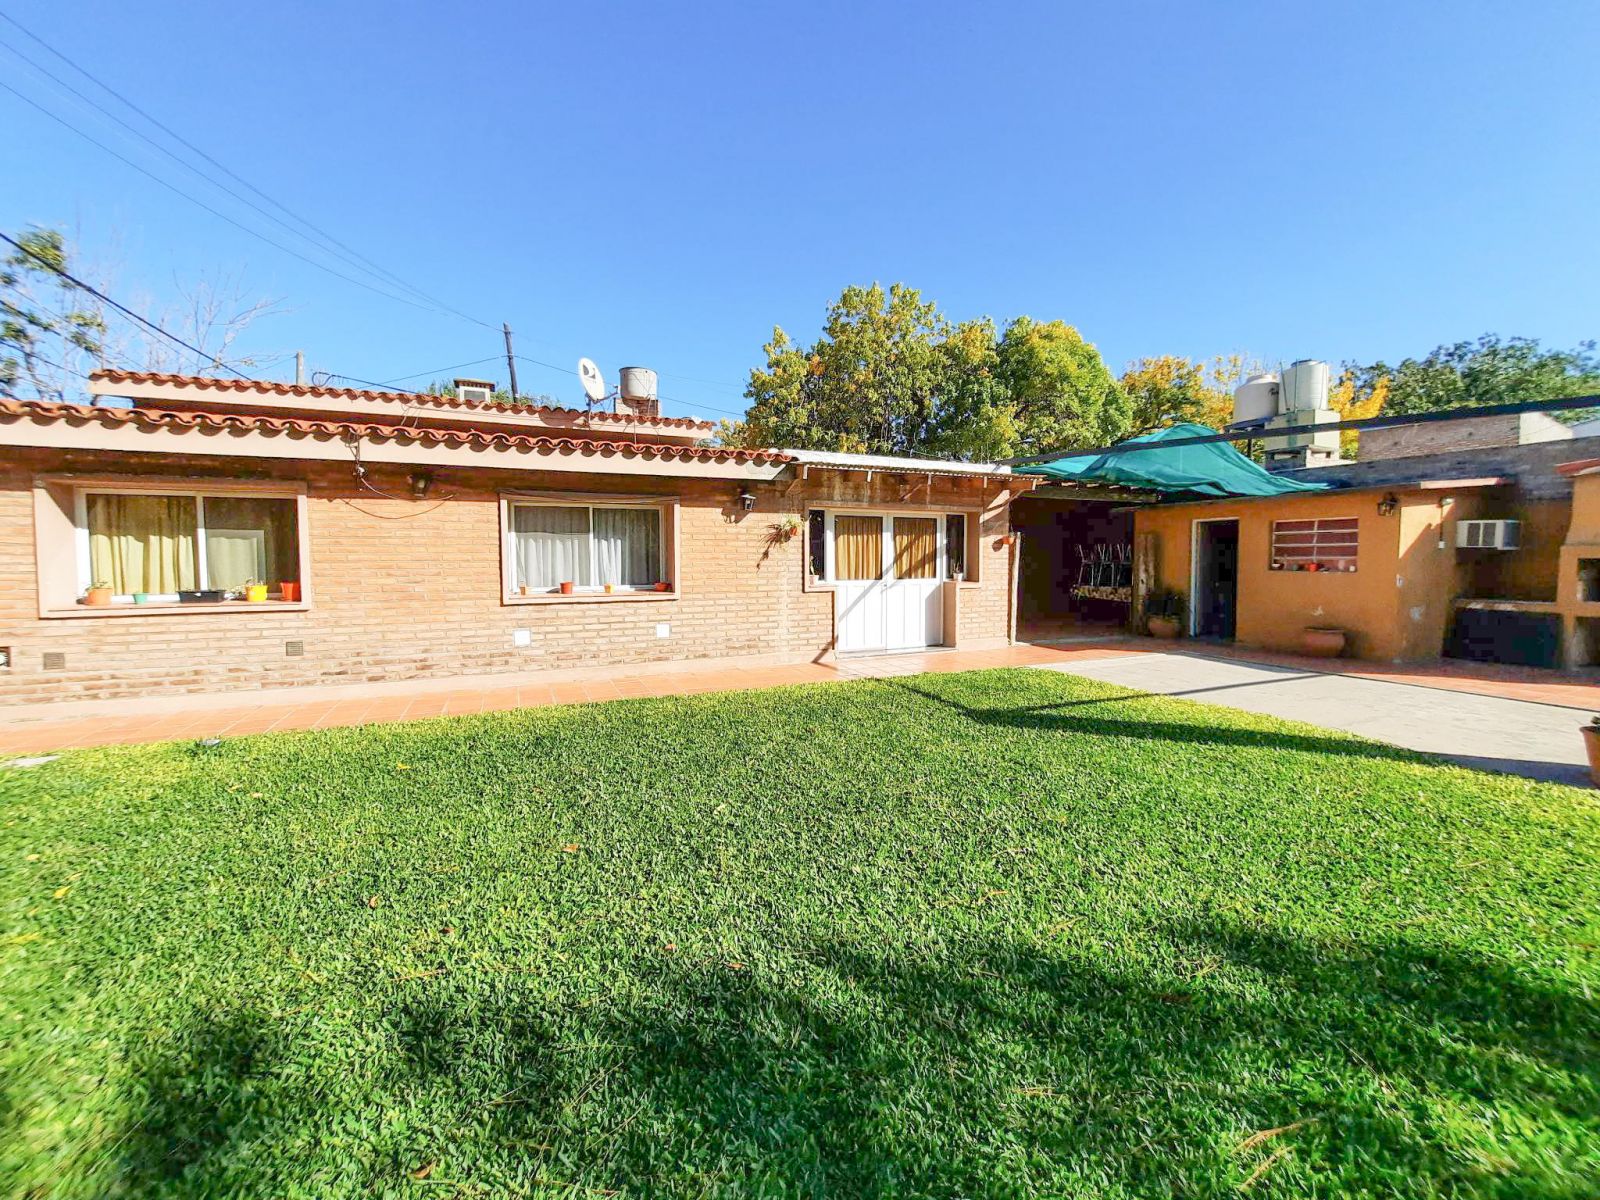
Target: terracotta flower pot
(97,597)
(289,591)
(1162,627)
(1591,743)
(662,586)
(566,588)
(610,587)
(1322,643)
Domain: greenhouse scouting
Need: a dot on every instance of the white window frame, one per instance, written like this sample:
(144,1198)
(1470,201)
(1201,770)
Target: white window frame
(666,510)
(80,521)
(941,567)
(1316,531)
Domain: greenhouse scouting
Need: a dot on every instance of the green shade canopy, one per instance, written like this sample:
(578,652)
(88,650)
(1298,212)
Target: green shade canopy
(1210,469)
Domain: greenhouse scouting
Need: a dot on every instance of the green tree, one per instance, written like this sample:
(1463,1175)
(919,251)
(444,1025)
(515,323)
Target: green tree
(46,322)
(868,384)
(1163,391)
(890,375)
(1060,390)
(1490,370)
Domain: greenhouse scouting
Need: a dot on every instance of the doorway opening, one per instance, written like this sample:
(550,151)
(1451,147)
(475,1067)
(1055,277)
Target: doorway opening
(1214,600)
(1075,574)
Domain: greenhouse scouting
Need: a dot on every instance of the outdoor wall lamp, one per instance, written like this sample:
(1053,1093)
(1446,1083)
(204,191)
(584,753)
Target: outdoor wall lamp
(747,498)
(1388,505)
(421,481)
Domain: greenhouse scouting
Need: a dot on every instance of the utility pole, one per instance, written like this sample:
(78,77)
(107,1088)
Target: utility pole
(511,361)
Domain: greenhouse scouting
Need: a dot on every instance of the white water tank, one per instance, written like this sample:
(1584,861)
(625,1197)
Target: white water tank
(1256,398)
(638,383)
(1305,386)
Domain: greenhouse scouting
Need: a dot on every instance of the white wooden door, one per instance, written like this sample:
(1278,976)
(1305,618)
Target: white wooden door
(887,573)
(861,593)
(913,604)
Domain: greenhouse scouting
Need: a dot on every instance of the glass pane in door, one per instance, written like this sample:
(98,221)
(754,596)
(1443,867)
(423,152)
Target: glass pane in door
(858,548)
(916,548)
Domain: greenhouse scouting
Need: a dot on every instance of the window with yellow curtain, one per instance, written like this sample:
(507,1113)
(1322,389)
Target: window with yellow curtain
(858,548)
(152,543)
(916,547)
(142,543)
(247,538)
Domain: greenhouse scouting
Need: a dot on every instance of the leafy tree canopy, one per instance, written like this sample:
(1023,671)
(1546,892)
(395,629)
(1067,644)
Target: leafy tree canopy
(44,320)
(1170,390)
(891,375)
(1490,370)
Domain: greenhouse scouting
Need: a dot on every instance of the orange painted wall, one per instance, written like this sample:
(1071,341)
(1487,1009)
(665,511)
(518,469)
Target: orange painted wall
(1580,618)
(1397,604)
(1528,573)
(1274,607)
(1427,577)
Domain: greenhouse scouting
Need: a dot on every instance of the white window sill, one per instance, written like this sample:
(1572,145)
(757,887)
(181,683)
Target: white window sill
(590,597)
(98,611)
(822,585)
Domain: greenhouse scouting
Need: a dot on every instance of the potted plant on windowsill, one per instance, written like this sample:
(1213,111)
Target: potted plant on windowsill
(289,591)
(1163,612)
(97,594)
(141,597)
(255,592)
(1591,743)
(566,587)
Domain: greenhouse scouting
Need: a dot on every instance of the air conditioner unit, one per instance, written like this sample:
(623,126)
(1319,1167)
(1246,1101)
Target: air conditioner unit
(1488,535)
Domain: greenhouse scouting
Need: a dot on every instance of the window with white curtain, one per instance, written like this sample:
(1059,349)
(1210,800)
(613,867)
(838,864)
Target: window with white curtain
(588,546)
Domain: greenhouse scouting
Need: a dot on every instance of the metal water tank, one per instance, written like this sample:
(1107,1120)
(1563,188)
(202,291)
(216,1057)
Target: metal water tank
(638,383)
(1256,398)
(1305,386)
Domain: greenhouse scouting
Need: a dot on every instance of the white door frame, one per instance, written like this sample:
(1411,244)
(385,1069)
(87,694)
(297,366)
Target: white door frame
(887,576)
(1194,572)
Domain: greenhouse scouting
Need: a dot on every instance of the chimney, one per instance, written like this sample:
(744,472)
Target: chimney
(636,397)
(474,391)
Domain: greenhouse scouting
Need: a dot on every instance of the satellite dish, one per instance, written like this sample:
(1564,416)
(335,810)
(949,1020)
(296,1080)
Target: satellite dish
(594,383)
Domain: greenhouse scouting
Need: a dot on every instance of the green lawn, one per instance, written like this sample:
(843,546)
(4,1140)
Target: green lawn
(1007,933)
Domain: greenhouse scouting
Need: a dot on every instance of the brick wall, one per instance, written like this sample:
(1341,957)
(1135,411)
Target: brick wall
(405,589)
(1473,433)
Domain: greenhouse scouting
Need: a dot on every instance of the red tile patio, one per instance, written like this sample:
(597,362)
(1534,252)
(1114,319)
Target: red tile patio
(31,729)
(35,728)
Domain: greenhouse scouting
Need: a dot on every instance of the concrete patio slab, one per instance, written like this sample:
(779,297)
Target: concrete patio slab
(1540,741)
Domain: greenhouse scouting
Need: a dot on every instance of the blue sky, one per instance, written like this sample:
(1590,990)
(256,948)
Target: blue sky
(661,184)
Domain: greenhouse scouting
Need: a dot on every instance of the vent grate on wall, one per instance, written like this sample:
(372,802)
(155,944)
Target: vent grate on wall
(55,660)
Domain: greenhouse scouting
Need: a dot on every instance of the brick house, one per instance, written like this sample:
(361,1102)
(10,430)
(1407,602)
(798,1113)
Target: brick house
(396,536)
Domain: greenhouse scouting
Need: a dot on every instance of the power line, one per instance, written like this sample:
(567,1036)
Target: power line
(245,200)
(477,362)
(126,311)
(328,238)
(671,399)
(171,187)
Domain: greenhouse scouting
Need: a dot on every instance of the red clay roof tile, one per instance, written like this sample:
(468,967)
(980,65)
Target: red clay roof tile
(201,383)
(154,418)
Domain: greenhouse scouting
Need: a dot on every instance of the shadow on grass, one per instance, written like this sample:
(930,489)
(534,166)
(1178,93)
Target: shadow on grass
(1065,717)
(990,1068)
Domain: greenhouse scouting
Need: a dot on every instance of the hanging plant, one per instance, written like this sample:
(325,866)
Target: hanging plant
(786,528)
